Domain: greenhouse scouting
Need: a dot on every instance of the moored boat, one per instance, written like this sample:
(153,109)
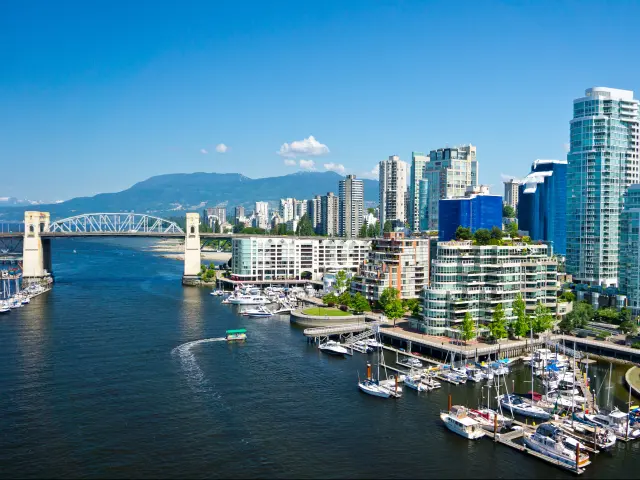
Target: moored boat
(333,348)
(516,404)
(458,421)
(554,448)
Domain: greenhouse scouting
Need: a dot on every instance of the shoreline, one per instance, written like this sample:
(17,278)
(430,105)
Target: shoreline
(174,249)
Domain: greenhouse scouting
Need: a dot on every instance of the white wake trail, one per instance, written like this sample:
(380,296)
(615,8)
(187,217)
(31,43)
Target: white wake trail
(194,373)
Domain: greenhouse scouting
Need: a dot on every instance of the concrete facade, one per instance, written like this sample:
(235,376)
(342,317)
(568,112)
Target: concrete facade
(192,246)
(36,252)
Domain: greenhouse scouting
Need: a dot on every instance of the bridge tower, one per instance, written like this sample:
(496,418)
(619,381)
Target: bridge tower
(36,251)
(192,247)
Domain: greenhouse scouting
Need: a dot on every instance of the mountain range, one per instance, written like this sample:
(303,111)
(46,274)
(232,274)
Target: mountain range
(175,194)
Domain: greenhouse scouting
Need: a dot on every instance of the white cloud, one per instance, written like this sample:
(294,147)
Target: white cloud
(307,164)
(203,151)
(300,148)
(221,148)
(335,167)
(289,162)
(374,174)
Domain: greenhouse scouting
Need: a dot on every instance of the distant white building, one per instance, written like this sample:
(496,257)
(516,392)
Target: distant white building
(287,209)
(511,192)
(262,209)
(351,193)
(276,258)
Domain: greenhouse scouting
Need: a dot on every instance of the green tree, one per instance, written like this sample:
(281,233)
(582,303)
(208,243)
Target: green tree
(624,315)
(363,231)
(360,304)
(330,299)
(581,314)
(567,296)
(463,233)
(305,228)
(508,211)
(388,294)
(412,305)
(468,327)
(628,327)
(482,236)
(345,298)
(512,229)
(606,315)
(387,227)
(281,229)
(520,324)
(341,281)
(496,233)
(371,210)
(498,326)
(372,230)
(542,319)
(566,325)
(216,227)
(394,309)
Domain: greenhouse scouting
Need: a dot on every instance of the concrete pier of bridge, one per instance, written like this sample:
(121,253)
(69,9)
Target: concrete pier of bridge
(36,251)
(192,249)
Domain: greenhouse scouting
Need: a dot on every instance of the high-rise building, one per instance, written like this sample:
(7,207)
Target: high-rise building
(287,209)
(603,161)
(351,193)
(238,214)
(418,163)
(262,209)
(314,210)
(330,215)
(477,209)
(393,188)
(630,249)
(448,172)
(300,208)
(216,214)
(474,278)
(512,193)
(394,262)
(542,211)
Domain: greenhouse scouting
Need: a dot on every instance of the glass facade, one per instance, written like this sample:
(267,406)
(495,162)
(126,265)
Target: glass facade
(602,163)
(542,203)
(474,212)
(630,248)
(423,205)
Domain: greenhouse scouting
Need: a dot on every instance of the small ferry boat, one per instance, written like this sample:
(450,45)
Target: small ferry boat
(458,421)
(554,448)
(238,335)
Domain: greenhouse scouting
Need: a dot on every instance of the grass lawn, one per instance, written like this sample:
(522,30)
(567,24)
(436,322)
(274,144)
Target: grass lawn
(329,312)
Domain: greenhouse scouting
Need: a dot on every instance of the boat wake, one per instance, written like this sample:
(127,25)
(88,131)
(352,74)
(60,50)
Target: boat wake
(195,375)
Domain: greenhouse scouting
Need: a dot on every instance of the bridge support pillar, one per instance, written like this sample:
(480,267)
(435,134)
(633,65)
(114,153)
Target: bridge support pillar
(36,252)
(192,249)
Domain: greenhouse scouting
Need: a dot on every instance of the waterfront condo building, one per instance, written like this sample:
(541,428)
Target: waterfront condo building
(263,258)
(475,278)
(543,204)
(330,215)
(602,163)
(417,190)
(393,190)
(477,209)
(512,193)
(630,249)
(449,172)
(395,261)
(351,193)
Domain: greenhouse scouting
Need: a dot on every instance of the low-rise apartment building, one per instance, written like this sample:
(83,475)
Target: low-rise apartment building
(395,261)
(474,278)
(277,258)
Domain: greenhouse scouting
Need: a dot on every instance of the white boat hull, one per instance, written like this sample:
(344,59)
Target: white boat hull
(470,435)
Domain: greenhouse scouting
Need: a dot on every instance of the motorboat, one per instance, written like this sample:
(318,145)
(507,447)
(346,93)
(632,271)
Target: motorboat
(486,417)
(362,346)
(411,362)
(248,300)
(431,382)
(615,420)
(238,335)
(516,404)
(415,383)
(260,311)
(458,421)
(475,375)
(217,293)
(554,448)
(4,307)
(14,303)
(604,437)
(373,343)
(333,348)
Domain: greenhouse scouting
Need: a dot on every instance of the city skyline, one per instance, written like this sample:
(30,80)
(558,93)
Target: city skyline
(210,95)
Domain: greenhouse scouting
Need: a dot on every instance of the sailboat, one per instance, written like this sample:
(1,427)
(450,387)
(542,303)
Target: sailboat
(373,386)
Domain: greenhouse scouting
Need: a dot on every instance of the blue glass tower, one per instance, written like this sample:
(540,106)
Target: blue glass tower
(473,211)
(542,204)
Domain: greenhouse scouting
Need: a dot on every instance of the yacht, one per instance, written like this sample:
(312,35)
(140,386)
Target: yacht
(333,348)
(605,438)
(411,362)
(516,404)
(458,421)
(261,311)
(248,300)
(415,383)
(554,448)
(616,420)
(4,307)
(217,293)
(373,343)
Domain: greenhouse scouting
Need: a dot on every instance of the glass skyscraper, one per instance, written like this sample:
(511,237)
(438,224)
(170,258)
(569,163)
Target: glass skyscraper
(602,163)
(630,249)
(418,164)
(542,204)
(478,209)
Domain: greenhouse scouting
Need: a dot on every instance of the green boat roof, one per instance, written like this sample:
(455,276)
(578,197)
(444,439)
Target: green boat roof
(241,330)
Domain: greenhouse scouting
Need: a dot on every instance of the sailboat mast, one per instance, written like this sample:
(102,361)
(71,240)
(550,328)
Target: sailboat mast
(609,386)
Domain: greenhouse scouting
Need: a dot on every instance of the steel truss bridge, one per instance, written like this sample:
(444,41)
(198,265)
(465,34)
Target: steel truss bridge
(114,223)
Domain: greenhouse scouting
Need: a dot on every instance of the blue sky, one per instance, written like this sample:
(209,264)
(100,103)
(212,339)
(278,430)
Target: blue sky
(95,96)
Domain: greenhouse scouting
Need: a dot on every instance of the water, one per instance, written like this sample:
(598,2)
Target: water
(118,373)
